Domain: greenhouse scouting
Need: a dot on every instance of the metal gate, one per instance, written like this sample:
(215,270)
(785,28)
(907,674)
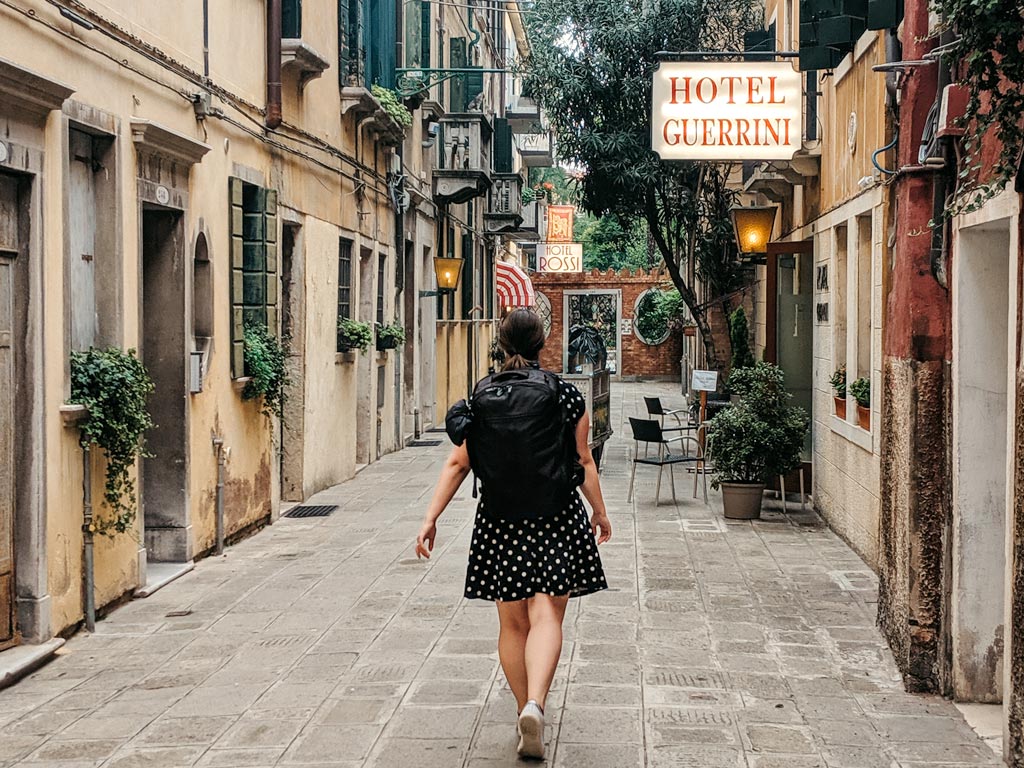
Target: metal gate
(600,310)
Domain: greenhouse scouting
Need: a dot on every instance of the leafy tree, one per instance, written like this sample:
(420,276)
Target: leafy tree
(607,244)
(590,67)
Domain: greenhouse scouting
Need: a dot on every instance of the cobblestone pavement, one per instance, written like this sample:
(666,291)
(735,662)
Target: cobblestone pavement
(325,642)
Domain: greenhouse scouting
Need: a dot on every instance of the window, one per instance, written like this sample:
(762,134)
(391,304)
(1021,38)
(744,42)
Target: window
(864,284)
(367,42)
(417,33)
(253,264)
(382,271)
(839,302)
(291,19)
(344,280)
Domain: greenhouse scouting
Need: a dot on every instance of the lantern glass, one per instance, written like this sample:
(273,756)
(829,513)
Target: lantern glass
(753,227)
(447,272)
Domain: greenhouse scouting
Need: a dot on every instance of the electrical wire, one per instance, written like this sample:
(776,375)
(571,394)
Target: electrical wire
(886,148)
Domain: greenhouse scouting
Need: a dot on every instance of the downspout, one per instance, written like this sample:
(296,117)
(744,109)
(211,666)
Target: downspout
(206,38)
(88,529)
(274,117)
(222,460)
(940,190)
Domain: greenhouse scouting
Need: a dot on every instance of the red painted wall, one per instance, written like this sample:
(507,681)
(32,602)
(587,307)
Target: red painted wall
(638,359)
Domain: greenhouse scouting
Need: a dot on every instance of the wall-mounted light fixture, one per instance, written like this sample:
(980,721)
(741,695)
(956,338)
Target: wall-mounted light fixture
(753,228)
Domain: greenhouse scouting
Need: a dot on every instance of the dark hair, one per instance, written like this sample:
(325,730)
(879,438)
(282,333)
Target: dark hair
(521,335)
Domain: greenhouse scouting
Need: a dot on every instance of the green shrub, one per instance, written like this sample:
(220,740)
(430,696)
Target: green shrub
(390,335)
(266,365)
(861,391)
(761,436)
(739,338)
(114,385)
(838,381)
(353,335)
(396,110)
(651,318)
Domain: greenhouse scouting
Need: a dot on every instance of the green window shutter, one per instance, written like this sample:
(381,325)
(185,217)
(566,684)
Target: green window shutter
(356,70)
(413,42)
(343,42)
(457,100)
(237,258)
(502,146)
(884,14)
(379,42)
(291,18)
(467,273)
(426,32)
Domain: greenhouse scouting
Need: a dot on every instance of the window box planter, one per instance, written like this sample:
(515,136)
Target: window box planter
(73,414)
(348,356)
(840,407)
(387,343)
(864,417)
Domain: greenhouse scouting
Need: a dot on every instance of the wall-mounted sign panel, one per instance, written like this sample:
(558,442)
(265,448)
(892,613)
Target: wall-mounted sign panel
(559,257)
(726,110)
(560,218)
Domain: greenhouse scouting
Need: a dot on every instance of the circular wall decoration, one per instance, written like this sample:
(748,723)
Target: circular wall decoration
(649,324)
(542,304)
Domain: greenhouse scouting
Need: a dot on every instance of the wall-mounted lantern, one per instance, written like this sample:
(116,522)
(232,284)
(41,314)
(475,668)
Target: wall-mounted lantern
(447,272)
(753,228)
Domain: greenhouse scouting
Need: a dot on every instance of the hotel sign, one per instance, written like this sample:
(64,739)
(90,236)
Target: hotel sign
(560,219)
(726,110)
(559,257)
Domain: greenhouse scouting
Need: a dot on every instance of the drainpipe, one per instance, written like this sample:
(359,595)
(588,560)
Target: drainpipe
(87,535)
(206,38)
(940,190)
(273,64)
(222,460)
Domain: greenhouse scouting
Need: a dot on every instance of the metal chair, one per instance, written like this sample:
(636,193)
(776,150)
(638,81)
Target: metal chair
(654,408)
(649,432)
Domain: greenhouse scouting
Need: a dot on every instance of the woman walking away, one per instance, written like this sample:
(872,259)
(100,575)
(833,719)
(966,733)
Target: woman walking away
(525,435)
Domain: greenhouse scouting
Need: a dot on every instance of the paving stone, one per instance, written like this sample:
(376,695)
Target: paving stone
(325,642)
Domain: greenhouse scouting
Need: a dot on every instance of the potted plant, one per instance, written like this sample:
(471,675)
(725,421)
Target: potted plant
(353,335)
(757,438)
(861,391)
(838,382)
(586,347)
(389,336)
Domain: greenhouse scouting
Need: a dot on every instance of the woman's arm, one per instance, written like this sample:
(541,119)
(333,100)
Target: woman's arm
(592,482)
(454,471)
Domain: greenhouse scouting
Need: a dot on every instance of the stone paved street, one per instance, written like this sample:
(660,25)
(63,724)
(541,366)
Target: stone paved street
(325,642)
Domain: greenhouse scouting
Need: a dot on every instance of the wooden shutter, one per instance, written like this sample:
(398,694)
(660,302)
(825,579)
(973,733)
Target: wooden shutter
(502,146)
(457,101)
(344,42)
(468,275)
(291,18)
(254,257)
(426,30)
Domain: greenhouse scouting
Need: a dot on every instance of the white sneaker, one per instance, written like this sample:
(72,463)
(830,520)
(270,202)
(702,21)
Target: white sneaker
(531,731)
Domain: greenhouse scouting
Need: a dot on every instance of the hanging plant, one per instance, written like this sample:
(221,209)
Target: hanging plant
(266,365)
(114,386)
(529,195)
(988,56)
(389,336)
(389,100)
(353,335)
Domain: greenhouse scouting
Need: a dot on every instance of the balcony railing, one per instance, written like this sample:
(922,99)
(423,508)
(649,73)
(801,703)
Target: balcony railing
(505,212)
(463,164)
(536,149)
(533,224)
(524,115)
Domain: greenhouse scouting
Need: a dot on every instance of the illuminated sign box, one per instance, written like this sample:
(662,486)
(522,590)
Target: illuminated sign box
(726,110)
(559,257)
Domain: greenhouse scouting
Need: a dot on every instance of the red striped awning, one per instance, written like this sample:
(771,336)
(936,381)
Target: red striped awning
(514,286)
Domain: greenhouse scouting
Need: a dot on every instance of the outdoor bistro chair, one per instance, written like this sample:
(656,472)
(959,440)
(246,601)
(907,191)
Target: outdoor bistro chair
(649,432)
(654,408)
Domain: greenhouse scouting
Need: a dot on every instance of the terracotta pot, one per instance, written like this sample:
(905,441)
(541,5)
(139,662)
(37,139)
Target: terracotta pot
(864,417)
(840,407)
(742,501)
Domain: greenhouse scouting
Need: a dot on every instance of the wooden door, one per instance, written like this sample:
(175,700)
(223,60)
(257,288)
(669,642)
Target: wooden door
(8,249)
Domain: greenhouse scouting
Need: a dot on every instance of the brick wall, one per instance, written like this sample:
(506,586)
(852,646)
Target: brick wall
(637,358)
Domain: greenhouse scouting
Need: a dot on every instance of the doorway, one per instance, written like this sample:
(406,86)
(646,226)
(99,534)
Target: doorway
(293,328)
(794,331)
(10,244)
(600,310)
(164,479)
(981,375)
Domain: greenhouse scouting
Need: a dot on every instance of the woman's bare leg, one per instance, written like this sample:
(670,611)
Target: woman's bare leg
(515,626)
(544,643)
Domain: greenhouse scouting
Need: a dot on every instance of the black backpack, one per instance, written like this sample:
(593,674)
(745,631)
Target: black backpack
(522,446)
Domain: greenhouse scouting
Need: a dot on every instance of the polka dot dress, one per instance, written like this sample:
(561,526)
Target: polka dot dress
(515,559)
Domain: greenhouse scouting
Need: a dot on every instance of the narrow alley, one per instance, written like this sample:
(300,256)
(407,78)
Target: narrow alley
(323,641)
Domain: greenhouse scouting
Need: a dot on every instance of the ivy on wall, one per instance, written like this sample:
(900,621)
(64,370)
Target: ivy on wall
(989,46)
